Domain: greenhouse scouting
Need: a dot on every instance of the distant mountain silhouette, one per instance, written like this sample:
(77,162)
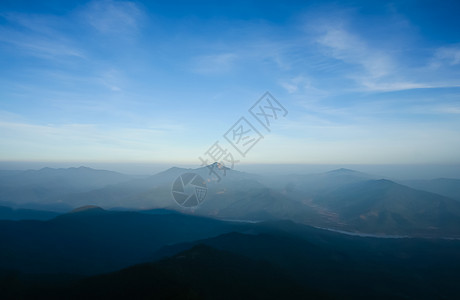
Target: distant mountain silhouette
(88,209)
(76,178)
(308,185)
(448,187)
(7,213)
(45,188)
(252,201)
(383,206)
(155,191)
(342,199)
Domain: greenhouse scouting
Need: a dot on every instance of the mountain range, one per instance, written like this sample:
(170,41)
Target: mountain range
(45,189)
(447,187)
(341,199)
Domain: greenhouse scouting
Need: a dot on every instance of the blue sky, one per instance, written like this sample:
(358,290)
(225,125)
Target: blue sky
(371,82)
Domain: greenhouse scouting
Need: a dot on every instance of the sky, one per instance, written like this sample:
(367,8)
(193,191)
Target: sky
(360,82)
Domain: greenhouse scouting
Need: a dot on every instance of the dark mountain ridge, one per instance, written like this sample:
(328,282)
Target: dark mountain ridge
(94,240)
(278,259)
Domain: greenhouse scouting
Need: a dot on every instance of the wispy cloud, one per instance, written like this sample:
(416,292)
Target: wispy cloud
(345,46)
(39,35)
(446,56)
(372,69)
(214,63)
(112,79)
(381,67)
(295,84)
(108,16)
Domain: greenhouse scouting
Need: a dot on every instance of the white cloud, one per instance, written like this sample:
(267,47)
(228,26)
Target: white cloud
(112,79)
(296,84)
(382,86)
(446,56)
(214,63)
(380,71)
(39,35)
(108,16)
(448,109)
(350,48)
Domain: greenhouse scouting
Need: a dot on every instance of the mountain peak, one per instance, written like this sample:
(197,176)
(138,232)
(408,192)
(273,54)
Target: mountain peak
(386,182)
(343,170)
(92,208)
(84,168)
(45,169)
(218,165)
